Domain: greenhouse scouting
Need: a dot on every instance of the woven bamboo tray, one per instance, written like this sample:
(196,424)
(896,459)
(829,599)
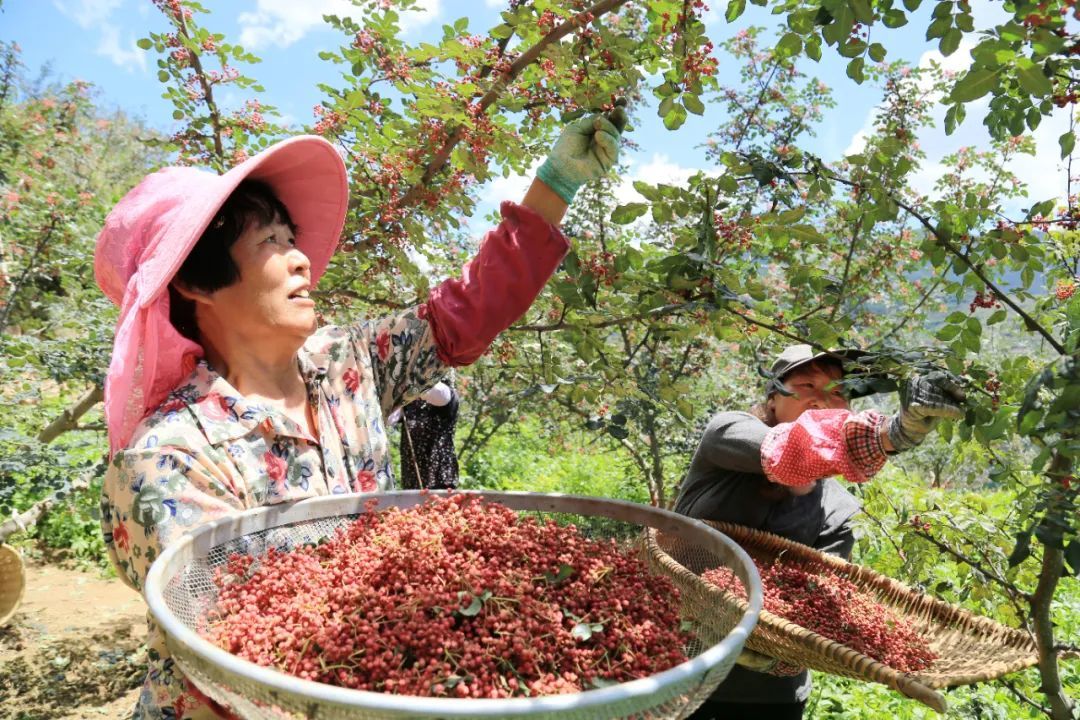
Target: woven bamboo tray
(970,648)
(12,582)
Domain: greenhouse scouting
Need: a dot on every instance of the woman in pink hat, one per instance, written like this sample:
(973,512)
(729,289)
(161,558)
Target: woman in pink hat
(223,394)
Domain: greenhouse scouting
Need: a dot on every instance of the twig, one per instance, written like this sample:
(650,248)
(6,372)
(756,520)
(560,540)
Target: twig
(847,266)
(625,320)
(885,532)
(1022,697)
(975,565)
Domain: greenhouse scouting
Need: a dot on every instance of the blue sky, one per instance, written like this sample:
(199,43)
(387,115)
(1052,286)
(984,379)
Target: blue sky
(95,40)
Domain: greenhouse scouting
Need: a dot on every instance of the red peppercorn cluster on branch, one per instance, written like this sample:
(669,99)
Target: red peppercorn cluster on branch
(454,597)
(836,608)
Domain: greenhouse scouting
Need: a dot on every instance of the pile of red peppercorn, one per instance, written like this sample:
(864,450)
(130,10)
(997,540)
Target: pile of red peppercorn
(452,598)
(836,608)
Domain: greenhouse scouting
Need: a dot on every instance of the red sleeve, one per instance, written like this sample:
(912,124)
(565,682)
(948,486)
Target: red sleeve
(821,443)
(496,287)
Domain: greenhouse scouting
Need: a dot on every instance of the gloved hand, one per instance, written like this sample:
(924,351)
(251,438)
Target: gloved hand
(585,151)
(925,399)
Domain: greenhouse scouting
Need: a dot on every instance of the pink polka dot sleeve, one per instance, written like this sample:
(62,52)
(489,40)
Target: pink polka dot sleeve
(822,443)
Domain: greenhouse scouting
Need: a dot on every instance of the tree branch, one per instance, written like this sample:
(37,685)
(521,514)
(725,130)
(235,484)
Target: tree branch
(29,517)
(208,91)
(524,60)
(1022,697)
(1029,321)
(69,418)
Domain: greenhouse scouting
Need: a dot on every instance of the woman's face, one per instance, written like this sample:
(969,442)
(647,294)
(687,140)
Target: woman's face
(812,388)
(271,297)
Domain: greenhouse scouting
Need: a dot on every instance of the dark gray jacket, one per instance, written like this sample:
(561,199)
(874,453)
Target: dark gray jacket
(726,482)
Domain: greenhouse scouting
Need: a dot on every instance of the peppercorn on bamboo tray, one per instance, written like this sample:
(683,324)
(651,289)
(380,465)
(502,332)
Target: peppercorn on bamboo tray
(181,592)
(970,648)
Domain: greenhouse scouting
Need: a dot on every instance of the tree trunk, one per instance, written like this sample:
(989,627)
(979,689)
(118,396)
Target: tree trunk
(657,466)
(1053,565)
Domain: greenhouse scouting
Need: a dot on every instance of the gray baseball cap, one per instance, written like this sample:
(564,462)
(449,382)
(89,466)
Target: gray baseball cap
(795,356)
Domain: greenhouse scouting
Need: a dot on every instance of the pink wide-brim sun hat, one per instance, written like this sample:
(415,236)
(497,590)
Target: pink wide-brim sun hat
(152,230)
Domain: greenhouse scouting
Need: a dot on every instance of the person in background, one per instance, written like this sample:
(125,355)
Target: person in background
(428,458)
(771,469)
(223,394)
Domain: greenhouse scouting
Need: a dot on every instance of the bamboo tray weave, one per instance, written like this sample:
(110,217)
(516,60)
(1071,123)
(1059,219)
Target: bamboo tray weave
(970,648)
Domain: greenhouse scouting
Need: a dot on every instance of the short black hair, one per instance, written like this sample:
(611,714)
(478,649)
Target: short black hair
(209,266)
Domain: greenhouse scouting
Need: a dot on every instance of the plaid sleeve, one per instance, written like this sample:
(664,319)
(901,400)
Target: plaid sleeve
(862,436)
(821,443)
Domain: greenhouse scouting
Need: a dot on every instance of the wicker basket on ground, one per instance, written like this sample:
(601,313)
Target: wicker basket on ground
(970,648)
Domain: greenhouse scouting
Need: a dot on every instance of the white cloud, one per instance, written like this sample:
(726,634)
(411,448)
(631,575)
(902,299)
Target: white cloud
(281,23)
(87,13)
(510,188)
(858,142)
(94,15)
(659,170)
(129,58)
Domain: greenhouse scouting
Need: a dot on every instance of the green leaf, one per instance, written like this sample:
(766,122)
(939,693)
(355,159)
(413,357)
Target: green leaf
(950,41)
(625,214)
(1067,142)
(693,103)
(1034,81)
(996,317)
(790,45)
(735,8)
(145,43)
(975,83)
(163,76)
(564,572)
(1022,550)
(953,117)
(618,432)
(938,28)
(674,119)
(863,12)
(583,631)
(806,234)
(948,332)
(877,52)
(894,19)
(855,70)
(666,105)
(473,608)
(1072,555)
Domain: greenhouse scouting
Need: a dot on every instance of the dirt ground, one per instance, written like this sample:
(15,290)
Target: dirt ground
(73,650)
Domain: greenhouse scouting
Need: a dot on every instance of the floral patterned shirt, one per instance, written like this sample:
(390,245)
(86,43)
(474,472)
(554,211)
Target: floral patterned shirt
(208,452)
